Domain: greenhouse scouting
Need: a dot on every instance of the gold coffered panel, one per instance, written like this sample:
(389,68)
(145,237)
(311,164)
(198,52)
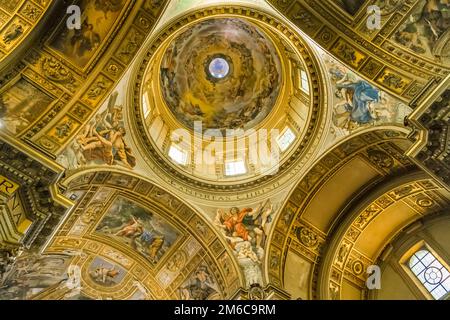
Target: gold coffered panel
(341,28)
(53,70)
(17,20)
(168,252)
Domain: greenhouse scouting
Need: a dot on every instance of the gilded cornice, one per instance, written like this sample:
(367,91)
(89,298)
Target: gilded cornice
(371,53)
(377,147)
(341,259)
(41,196)
(76,91)
(21,24)
(430,132)
(158,163)
(78,232)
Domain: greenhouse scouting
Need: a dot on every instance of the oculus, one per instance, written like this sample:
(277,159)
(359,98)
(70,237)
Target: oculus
(219,68)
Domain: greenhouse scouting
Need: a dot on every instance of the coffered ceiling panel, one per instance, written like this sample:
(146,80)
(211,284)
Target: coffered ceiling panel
(407,51)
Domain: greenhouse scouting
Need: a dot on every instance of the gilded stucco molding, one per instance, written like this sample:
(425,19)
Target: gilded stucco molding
(431,137)
(37,180)
(414,236)
(72,89)
(311,137)
(166,205)
(416,189)
(377,147)
(374,56)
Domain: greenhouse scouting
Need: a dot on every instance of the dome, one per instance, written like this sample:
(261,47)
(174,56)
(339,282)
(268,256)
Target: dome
(225,101)
(222,72)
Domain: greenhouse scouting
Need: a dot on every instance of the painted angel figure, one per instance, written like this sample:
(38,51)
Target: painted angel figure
(250,261)
(200,286)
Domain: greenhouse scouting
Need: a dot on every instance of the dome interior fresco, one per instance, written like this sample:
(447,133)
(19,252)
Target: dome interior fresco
(242,96)
(252,110)
(224,150)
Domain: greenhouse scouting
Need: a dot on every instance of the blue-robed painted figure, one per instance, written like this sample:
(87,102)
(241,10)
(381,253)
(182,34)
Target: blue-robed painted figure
(359,95)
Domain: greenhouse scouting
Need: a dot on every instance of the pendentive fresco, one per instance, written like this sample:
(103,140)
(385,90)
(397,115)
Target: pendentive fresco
(197,150)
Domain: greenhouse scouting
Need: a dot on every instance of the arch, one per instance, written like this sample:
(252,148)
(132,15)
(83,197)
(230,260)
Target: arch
(369,222)
(377,153)
(429,233)
(88,232)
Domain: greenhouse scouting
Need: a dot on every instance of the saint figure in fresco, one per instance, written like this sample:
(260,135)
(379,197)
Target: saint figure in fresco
(247,224)
(234,225)
(104,138)
(358,96)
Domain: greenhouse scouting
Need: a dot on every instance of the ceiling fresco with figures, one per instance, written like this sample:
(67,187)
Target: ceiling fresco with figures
(356,104)
(69,89)
(425,32)
(116,182)
(222,72)
(300,233)
(80,46)
(396,53)
(94,143)
(127,239)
